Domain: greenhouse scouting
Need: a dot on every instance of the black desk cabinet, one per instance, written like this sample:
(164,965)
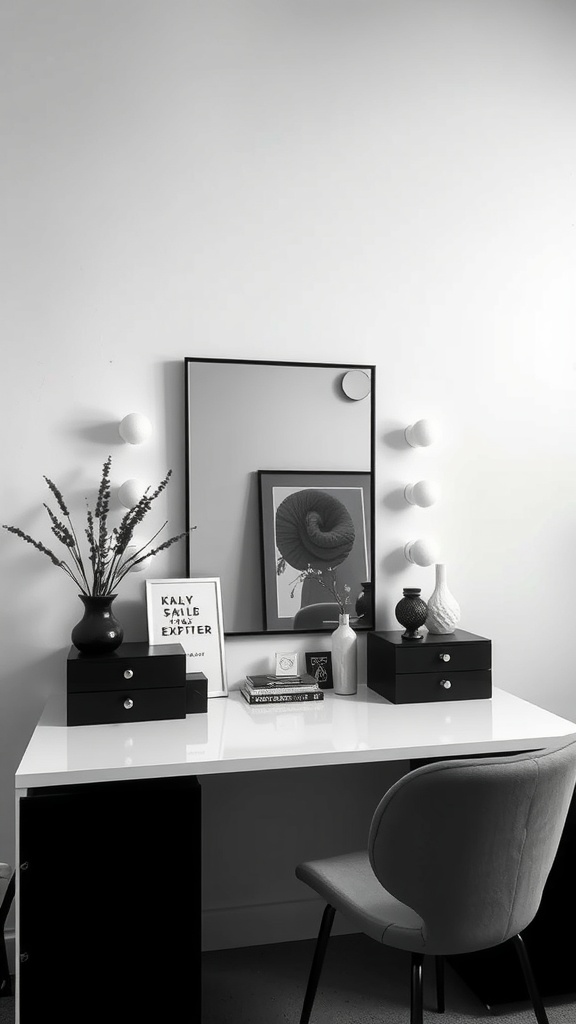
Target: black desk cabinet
(136,683)
(109,889)
(447,666)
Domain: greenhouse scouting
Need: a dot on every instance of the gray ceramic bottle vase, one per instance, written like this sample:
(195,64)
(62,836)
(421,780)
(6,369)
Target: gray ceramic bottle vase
(411,612)
(344,643)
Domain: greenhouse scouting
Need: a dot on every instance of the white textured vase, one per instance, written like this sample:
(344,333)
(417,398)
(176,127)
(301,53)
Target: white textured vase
(443,608)
(344,657)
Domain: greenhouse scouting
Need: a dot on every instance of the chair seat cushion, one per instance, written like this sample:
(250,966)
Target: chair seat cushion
(348,884)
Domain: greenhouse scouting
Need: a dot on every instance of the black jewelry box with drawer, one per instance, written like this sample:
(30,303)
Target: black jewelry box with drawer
(439,667)
(135,683)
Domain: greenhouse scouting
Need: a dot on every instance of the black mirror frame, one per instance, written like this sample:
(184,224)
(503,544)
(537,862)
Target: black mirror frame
(282,362)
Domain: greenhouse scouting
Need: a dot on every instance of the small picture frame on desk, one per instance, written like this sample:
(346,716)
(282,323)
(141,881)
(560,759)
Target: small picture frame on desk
(319,666)
(189,612)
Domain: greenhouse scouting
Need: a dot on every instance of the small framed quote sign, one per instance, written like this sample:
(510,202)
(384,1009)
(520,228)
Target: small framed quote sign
(319,665)
(189,612)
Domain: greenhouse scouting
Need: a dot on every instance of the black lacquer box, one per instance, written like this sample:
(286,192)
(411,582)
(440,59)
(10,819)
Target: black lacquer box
(439,667)
(196,693)
(135,683)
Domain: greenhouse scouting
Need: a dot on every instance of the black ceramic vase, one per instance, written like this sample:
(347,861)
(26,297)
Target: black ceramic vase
(363,606)
(98,632)
(411,613)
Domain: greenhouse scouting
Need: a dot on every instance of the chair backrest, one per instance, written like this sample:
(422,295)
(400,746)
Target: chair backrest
(468,844)
(314,616)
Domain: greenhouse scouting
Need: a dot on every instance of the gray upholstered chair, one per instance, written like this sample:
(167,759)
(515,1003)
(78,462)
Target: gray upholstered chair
(457,858)
(315,616)
(7,879)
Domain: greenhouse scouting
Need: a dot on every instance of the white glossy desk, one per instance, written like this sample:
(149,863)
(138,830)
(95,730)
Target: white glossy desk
(234,737)
(92,800)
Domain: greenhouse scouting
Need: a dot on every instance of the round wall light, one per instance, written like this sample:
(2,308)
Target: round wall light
(133,549)
(135,428)
(423,493)
(420,434)
(421,552)
(130,492)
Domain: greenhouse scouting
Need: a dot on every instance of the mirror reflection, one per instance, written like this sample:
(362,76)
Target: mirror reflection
(279,484)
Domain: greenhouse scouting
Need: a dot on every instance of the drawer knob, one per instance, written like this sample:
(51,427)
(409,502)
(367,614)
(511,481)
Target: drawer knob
(128,673)
(444,657)
(445,683)
(128,703)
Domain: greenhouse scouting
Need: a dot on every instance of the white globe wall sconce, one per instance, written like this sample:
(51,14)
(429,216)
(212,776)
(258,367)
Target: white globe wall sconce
(423,493)
(135,428)
(130,492)
(421,552)
(131,550)
(420,434)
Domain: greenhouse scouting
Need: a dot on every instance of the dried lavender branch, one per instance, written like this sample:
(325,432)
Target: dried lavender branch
(117,564)
(68,538)
(35,543)
(331,587)
(106,548)
(149,554)
(101,513)
(59,498)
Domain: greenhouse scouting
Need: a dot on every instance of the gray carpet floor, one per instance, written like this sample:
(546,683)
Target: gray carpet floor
(362,983)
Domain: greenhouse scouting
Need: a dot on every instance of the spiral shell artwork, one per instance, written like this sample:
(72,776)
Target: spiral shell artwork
(313,529)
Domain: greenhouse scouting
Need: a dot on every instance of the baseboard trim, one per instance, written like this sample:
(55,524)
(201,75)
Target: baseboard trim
(261,924)
(231,927)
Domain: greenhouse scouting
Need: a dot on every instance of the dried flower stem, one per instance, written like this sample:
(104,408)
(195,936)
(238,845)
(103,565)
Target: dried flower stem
(107,549)
(327,581)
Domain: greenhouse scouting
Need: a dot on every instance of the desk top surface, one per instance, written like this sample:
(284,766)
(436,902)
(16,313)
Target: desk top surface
(234,737)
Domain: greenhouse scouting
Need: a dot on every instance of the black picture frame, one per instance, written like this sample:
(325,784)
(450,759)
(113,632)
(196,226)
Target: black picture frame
(293,605)
(319,666)
(239,402)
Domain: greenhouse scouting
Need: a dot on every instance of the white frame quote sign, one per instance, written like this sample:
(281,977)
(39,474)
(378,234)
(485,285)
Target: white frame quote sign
(189,612)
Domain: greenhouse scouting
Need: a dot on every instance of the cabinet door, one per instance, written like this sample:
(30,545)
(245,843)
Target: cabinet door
(110,902)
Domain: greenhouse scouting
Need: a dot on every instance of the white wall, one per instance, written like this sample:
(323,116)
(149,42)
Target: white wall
(383,181)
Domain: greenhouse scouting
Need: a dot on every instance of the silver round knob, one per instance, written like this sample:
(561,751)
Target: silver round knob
(445,683)
(128,703)
(128,673)
(444,657)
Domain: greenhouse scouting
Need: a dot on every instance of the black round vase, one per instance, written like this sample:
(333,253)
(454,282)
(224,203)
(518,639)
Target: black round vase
(98,632)
(411,612)
(363,606)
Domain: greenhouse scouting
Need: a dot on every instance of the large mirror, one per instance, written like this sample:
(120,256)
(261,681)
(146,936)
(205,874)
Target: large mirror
(280,488)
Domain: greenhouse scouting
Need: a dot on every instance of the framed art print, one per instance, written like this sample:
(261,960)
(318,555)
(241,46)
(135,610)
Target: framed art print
(189,612)
(315,537)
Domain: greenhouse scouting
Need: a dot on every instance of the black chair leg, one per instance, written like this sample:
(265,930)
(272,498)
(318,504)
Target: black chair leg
(416,1005)
(518,943)
(5,980)
(440,1000)
(315,970)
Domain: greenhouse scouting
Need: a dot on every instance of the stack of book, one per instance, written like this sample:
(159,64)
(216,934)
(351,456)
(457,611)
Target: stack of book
(262,689)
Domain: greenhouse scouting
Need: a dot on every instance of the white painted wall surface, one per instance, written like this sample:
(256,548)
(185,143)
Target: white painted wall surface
(384,181)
